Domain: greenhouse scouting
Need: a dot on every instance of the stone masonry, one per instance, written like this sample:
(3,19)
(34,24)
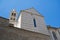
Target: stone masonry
(11,33)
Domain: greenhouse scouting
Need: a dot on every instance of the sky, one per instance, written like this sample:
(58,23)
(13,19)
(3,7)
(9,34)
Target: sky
(50,9)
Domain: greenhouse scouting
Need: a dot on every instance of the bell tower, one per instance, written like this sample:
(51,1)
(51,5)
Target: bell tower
(12,19)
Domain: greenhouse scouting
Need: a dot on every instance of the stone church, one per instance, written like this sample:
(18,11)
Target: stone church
(28,25)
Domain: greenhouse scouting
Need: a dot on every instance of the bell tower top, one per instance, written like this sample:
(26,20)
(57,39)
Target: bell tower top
(13,15)
(13,11)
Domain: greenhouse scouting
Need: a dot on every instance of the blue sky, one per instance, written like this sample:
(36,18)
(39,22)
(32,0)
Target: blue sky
(50,9)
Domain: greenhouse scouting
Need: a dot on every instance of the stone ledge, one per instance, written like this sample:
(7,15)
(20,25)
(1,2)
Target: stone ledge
(12,33)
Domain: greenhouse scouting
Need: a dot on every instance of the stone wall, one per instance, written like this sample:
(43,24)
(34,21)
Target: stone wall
(4,21)
(12,33)
(27,22)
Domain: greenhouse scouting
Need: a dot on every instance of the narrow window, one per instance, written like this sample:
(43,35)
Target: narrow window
(34,22)
(12,13)
(14,19)
(54,35)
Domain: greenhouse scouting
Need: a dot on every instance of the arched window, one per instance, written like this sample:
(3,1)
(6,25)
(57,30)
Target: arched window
(14,19)
(34,22)
(54,35)
(12,13)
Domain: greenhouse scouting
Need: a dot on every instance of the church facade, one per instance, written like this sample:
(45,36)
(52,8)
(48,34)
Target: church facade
(32,26)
